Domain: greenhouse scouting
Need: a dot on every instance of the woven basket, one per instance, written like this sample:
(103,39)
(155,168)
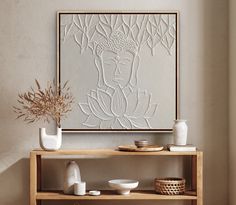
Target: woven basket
(170,186)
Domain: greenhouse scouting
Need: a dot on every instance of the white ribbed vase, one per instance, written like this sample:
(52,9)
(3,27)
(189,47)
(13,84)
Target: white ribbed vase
(72,175)
(50,142)
(180,132)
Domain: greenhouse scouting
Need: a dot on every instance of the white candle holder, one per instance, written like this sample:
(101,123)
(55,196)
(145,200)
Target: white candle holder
(80,188)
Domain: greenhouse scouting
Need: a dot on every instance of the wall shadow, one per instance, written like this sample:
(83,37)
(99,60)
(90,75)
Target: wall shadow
(14,182)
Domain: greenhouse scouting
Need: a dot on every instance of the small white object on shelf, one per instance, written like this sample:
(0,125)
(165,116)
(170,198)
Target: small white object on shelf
(72,175)
(50,142)
(94,193)
(182,148)
(180,131)
(80,188)
(123,186)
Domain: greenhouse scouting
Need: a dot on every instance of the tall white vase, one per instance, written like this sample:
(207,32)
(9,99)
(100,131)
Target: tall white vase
(72,175)
(50,142)
(180,131)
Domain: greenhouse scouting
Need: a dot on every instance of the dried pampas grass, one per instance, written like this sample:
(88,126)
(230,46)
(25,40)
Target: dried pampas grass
(52,103)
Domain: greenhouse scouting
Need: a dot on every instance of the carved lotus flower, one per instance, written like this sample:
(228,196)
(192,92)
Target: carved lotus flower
(118,111)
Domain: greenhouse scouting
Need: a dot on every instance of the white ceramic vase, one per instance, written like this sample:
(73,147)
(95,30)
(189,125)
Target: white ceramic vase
(50,142)
(180,131)
(72,175)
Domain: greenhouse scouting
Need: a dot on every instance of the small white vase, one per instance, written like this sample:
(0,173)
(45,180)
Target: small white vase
(180,131)
(50,142)
(72,175)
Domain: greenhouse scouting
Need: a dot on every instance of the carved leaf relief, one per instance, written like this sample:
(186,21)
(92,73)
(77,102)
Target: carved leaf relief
(143,29)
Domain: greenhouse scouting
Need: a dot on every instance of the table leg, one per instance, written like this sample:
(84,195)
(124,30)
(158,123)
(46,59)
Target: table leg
(197,177)
(33,179)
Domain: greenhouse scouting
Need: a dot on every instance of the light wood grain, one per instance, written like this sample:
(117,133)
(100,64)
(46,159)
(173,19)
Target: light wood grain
(118,11)
(111,195)
(33,178)
(133,148)
(200,178)
(196,196)
(197,177)
(177,81)
(111,152)
(58,53)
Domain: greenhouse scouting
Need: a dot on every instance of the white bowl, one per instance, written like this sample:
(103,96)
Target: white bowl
(123,186)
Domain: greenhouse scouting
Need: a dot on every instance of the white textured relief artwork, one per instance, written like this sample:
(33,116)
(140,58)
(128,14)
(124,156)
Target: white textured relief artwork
(121,68)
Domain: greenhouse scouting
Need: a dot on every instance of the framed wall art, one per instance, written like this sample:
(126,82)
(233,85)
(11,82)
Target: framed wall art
(122,68)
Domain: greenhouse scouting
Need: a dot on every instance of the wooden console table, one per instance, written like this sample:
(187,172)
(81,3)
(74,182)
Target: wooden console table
(37,194)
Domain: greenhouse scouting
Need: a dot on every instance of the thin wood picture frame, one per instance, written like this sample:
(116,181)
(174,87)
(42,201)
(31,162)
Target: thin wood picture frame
(109,90)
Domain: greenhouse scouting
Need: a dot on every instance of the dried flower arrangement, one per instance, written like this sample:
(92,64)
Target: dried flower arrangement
(52,103)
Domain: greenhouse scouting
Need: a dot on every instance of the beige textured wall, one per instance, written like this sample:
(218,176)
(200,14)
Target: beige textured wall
(232,102)
(28,50)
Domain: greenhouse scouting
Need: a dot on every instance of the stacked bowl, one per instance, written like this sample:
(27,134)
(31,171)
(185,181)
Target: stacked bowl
(141,143)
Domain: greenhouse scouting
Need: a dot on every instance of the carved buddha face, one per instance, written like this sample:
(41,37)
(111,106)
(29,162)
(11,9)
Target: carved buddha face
(117,67)
(116,61)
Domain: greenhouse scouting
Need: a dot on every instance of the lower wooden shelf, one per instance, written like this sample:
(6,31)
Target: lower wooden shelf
(111,195)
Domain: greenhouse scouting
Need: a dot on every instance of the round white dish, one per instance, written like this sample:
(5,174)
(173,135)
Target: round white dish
(123,186)
(94,193)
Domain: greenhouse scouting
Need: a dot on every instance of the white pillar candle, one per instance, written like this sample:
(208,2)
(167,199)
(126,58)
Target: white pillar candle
(80,188)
